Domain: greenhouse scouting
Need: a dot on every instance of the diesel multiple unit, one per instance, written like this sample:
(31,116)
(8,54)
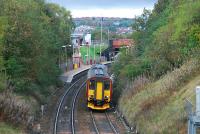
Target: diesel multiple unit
(98,88)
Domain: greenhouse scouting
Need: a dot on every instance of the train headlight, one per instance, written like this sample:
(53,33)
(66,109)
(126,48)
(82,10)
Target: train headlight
(106,98)
(91,97)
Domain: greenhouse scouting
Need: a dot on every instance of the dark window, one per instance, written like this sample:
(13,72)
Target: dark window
(92,84)
(107,85)
(98,71)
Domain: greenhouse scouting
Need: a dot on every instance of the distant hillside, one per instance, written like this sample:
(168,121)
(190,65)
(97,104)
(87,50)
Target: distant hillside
(118,27)
(107,22)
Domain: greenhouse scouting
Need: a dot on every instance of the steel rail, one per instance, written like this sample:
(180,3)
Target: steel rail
(111,124)
(94,123)
(60,104)
(73,107)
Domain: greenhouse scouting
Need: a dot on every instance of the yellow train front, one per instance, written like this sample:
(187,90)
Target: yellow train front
(98,88)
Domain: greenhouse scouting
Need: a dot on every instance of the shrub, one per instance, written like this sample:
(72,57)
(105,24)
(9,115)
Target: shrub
(13,110)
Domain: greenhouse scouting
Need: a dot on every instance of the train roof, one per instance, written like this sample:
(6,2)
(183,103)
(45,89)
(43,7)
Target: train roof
(98,70)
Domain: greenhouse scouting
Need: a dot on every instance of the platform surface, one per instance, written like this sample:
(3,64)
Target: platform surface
(67,77)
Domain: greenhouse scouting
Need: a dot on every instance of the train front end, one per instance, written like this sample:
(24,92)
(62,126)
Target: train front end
(99,92)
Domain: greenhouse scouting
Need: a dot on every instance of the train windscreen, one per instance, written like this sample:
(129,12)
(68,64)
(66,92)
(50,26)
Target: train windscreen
(92,84)
(107,85)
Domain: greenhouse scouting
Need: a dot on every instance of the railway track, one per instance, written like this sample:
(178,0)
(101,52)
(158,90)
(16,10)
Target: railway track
(64,119)
(111,124)
(102,123)
(72,115)
(73,107)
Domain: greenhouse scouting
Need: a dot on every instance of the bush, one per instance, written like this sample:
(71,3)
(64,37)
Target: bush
(13,110)
(32,38)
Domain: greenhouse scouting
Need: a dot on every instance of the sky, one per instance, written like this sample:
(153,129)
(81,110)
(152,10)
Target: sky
(105,8)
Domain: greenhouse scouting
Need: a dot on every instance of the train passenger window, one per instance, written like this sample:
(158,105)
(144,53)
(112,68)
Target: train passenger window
(92,84)
(107,85)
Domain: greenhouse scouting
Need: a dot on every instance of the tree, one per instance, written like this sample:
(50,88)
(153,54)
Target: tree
(96,35)
(141,21)
(32,39)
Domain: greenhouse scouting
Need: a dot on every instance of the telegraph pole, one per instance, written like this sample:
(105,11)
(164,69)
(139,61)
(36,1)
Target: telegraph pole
(108,35)
(94,54)
(101,37)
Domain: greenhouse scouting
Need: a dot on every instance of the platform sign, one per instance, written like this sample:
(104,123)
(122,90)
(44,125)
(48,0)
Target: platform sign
(88,39)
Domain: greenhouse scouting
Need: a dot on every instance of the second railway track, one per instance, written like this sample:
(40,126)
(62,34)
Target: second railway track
(64,120)
(73,107)
(102,123)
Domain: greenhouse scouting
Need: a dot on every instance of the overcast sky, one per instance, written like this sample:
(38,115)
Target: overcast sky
(105,8)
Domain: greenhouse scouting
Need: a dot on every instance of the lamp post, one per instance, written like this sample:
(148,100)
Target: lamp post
(86,58)
(87,61)
(94,54)
(65,47)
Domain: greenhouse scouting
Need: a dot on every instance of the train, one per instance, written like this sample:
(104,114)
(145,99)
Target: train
(99,88)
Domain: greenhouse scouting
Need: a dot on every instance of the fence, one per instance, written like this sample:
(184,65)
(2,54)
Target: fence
(192,108)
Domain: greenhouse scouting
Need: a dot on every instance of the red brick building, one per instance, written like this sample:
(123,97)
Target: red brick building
(118,43)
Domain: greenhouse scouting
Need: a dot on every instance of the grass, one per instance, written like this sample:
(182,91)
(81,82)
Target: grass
(159,106)
(96,50)
(7,129)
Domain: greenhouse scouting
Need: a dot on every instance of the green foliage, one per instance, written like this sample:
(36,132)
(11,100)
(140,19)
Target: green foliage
(3,78)
(135,68)
(3,26)
(93,50)
(141,21)
(96,34)
(165,37)
(161,102)
(7,129)
(161,6)
(32,35)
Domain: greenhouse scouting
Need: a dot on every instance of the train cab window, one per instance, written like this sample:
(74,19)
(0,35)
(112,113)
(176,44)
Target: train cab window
(98,71)
(92,84)
(107,85)
(101,71)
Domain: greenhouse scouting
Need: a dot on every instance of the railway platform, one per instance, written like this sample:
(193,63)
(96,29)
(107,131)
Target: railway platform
(67,77)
